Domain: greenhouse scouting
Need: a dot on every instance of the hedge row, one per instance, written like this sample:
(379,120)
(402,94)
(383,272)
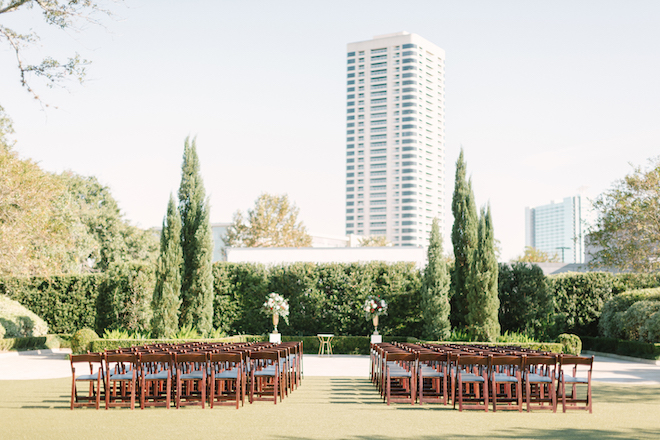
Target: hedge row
(33,343)
(340,344)
(621,347)
(324,298)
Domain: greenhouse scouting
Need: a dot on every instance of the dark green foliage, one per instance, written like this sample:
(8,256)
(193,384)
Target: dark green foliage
(167,294)
(81,340)
(579,300)
(435,290)
(464,238)
(240,291)
(124,300)
(612,321)
(197,244)
(526,305)
(66,302)
(105,237)
(571,343)
(483,301)
(33,343)
(323,298)
(644,350)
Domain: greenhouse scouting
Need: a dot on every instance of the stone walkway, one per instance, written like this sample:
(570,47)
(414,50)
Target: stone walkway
(52,364)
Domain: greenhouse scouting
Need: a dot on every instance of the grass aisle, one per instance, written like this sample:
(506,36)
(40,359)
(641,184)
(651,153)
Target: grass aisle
(322,408)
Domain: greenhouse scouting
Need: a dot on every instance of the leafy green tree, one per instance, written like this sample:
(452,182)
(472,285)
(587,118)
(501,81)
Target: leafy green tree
(197,244)
(167,294)
(375,241)
(63,14)
(435,290)
(36,236)
(627,231)
(105,237)
(483,300)
(272,223)
(534,255)
(464,240)
(526,305)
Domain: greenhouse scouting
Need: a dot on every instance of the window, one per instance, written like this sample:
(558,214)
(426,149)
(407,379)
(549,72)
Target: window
(378,86)
(381,72)
(374,94)
(351,54)
(379,79)
(378,165)
(409,46)
(375,51)
(380,122)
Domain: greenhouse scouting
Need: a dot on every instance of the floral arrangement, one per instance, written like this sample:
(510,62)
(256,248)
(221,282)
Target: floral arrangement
(374,306)
(276,304)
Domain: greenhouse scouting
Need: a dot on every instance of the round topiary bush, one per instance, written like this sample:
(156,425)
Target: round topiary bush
(18,321)
(81,340)
(571,344)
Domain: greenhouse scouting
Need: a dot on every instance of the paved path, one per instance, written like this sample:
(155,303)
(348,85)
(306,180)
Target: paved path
(51,364)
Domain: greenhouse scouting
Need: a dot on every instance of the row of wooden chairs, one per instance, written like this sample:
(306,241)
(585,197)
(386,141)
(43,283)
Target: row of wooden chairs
(187,374)
(477,376)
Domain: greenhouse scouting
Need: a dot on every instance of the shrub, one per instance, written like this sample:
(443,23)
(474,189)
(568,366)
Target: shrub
(636,316)
(612,321)
(81,340)
(579,300)
(124,300)
(624,348)
(66,302)
(526,305)
(18,321)
(651,328)
(571,344)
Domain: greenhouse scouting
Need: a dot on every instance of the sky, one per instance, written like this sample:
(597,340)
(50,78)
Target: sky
(547,99)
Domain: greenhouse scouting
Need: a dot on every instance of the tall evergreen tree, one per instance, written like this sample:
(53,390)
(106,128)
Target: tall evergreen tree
(197,245)
(464,240)
(483,300)
(167,294)
(435,290)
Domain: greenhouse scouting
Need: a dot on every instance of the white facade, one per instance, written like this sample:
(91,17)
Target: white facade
(559,228)
(327,255)
(395,154)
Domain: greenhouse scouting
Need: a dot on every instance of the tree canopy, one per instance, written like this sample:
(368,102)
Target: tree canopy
(534,255)
(626,235)
(273,222)
(67,15)
(375,241)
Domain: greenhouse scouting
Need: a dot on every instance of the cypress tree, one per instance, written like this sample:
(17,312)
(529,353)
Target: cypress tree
(197,246)
(483,300)
(464,240)
(166,299)
(435,290)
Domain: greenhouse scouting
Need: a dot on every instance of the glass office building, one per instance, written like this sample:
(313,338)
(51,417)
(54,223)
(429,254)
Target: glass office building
(558,228)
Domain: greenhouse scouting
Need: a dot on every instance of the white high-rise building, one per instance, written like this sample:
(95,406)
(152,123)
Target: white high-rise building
(395,154)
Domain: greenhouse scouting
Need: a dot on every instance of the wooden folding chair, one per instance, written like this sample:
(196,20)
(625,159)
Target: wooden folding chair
(506,382)
(155,379)
(95,378)
(539,379)
(572,400)
(472,382)
(191,369)
(227,378)
(432,377)
(121,376)
(265,375)
(400,377)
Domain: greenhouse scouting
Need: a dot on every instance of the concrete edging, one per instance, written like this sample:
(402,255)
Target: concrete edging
(622,358)
(34,352)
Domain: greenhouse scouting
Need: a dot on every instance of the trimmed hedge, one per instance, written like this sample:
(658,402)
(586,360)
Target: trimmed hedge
(553,347)
(100,345)
(621,347)
(67,302)
(323,298)
(31,343)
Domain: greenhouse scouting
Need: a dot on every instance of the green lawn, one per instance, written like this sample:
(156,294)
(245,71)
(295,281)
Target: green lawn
(322,408)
